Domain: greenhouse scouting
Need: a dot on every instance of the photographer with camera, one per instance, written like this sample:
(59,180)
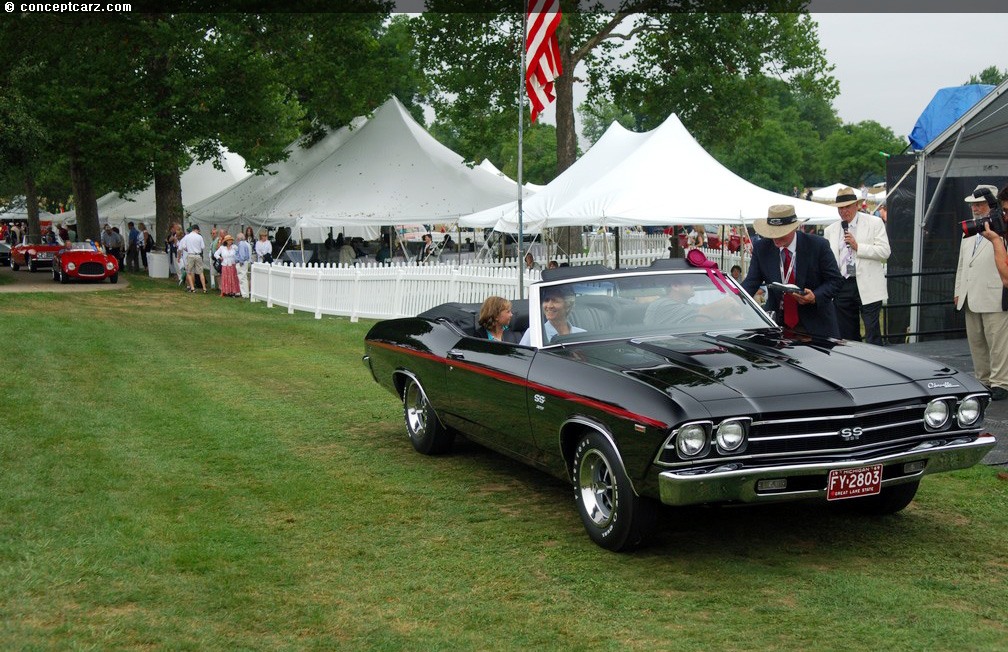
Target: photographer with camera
(997,239)
(978,291)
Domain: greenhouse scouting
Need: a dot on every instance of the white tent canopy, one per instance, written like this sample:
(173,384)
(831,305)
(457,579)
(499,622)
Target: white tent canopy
(198,182)
(246,202)
(829,193)
(614,146)
(488,166)
(668,178)
(390,171)
(386,170)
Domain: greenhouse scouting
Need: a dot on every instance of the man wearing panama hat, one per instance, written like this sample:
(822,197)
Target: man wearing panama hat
(784,254)
(861,245)
(978,294)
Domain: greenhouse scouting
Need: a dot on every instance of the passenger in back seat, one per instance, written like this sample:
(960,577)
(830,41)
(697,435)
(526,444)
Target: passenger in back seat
(494,320)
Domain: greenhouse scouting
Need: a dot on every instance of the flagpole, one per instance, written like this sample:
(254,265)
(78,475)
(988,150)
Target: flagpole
(521,109)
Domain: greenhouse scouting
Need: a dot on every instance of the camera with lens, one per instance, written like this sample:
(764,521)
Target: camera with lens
(995,218)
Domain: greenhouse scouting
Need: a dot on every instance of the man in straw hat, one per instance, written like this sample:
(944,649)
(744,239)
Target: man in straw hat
(786,255)
(978,295)
(861,245)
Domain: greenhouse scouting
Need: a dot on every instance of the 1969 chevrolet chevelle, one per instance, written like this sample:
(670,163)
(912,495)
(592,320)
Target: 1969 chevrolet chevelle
(669,384)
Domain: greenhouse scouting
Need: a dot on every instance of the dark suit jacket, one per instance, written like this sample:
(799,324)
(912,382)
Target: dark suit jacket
(509,335)
(815,268)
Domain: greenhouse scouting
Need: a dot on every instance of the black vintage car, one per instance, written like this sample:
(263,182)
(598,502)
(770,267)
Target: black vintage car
(670,384)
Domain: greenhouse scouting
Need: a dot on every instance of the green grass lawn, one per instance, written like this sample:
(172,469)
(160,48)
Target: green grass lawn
(185,472)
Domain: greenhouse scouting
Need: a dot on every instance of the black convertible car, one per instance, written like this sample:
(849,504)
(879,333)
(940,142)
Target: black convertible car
(670,384)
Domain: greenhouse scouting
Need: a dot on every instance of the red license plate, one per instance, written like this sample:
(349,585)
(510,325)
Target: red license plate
(852,483)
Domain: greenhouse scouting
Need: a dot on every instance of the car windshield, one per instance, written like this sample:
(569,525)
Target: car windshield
(649,304)
(84,246)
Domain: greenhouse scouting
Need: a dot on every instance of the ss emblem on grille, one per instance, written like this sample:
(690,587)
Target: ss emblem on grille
(851,434)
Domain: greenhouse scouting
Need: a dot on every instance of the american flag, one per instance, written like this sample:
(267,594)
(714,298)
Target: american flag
(542,53)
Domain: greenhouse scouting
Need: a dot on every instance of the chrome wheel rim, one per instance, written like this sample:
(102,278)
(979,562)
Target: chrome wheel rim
(597,487)
(417,409)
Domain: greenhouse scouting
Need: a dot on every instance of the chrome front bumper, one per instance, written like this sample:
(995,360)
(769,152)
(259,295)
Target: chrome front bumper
(727,484)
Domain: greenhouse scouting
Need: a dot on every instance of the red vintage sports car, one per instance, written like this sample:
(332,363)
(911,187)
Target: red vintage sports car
(33,255)
(85,261)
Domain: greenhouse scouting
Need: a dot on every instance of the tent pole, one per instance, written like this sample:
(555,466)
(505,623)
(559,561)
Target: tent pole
(521,109)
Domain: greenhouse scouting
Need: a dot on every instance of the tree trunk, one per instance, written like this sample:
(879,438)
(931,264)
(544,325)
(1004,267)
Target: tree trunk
(568,238)
(87,203)
(168,200)
(564,89)
(31,206)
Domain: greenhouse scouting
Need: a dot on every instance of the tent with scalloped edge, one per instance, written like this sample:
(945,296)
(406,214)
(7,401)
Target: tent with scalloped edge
(615,145)
(389,171)
(666,177)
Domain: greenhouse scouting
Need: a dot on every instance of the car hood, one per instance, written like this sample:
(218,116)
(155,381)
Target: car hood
(766,364)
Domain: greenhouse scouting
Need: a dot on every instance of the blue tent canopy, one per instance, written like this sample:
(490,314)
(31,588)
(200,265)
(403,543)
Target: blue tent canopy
(947,106)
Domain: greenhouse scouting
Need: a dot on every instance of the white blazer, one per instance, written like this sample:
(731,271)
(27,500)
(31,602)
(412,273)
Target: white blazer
(977,276)
(872,252)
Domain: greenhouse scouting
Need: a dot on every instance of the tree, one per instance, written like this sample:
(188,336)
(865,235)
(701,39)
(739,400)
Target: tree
(21,142)
(989,75)
(84,104)
(697,64)
(853,153)
(596,118)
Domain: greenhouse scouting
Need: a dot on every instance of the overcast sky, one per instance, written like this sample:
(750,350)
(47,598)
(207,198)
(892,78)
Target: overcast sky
(890,65)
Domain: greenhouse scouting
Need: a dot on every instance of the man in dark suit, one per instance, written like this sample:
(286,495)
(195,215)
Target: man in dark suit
(786,255)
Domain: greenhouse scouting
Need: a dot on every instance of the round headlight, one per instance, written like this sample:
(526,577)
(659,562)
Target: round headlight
(936,414)
(969,411)
(692,440)
(109,265)
(71,267)
(730,435)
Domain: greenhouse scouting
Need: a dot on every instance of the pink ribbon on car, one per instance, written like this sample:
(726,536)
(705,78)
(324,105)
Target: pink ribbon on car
(697,258)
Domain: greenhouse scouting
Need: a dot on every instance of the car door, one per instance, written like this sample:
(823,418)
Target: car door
(486,383)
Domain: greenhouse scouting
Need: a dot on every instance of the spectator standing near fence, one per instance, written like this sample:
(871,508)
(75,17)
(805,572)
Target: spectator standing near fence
(191,250)
(243,257)
(697,237)
(145,243)
(132,248)
(227,254)
(116,243)
(264,248)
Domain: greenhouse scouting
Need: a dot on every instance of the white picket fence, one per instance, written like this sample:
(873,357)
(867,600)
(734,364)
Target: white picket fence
(381,291)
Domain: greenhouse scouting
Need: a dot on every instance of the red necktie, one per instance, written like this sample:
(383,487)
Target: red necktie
(790,303)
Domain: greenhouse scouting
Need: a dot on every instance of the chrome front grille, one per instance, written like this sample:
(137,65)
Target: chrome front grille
(872,430)
(817,434)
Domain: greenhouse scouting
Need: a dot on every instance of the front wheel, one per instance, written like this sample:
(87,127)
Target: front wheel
(615,517)
(888,501)
(14,265)
(114,278)
(31,265)
(425,431)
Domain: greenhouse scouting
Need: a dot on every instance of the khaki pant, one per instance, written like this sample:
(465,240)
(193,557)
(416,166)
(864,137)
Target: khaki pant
(987,334)
(243,281)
